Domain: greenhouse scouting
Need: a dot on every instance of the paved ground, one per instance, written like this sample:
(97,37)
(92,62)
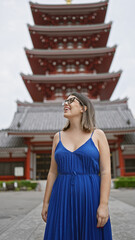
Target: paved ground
(20,215)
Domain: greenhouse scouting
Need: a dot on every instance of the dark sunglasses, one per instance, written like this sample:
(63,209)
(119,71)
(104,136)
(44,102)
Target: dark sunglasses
(70,100)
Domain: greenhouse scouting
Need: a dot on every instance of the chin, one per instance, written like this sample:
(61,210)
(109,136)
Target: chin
(65,114)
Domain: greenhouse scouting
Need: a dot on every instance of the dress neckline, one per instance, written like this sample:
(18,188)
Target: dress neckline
(75,149)
(90,138)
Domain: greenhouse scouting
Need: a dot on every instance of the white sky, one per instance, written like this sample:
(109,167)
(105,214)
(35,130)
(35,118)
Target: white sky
(15,14)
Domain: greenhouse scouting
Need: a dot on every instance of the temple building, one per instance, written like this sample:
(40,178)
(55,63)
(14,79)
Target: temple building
(70,53)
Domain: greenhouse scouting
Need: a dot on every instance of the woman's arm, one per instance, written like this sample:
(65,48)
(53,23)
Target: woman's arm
(105,173)
(51,177)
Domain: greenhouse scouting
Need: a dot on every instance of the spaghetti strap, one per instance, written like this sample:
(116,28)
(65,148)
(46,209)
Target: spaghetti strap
(92,134)
(59,136)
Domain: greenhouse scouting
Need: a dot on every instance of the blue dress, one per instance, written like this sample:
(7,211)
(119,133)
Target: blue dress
(75,196)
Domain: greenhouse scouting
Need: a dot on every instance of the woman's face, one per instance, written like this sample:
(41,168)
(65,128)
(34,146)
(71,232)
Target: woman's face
(72,109)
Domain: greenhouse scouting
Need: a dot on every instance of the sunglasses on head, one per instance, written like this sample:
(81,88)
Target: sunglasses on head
(70,100)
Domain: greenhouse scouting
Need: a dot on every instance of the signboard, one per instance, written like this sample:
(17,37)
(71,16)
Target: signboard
(18,171)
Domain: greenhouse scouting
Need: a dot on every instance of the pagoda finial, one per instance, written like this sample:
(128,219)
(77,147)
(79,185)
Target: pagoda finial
(68,1)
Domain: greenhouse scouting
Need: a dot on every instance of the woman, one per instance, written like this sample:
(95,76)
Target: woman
(75,205)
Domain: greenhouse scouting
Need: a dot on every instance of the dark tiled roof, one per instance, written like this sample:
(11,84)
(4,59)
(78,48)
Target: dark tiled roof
(91,27)
(46,117)
(74,52)
(76,77)
(69,6)
(9,141)
(129,139)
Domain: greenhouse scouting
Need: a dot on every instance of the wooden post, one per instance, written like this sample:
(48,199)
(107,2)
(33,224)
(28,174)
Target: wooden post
(121,160)
(27,165)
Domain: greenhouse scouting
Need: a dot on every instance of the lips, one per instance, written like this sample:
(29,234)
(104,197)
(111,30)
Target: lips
(66,108)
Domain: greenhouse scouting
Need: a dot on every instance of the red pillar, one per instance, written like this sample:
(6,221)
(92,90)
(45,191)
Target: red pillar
(27,165)
(121,160)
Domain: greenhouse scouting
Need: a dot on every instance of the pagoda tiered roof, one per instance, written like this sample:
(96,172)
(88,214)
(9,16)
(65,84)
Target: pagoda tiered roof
(98,59)
(38,118)
(88,13)
(95,35)
(70,52)
(104,83)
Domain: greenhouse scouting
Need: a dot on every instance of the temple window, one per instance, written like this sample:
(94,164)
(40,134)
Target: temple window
(58,92)
(84,91)
(70,90)
(60,46)
(129,165)
(82,68)
(73,68)
(79,45)
(70,45)
(70,68)
(59,68)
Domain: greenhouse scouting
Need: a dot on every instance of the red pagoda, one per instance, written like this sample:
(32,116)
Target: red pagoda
(70,54)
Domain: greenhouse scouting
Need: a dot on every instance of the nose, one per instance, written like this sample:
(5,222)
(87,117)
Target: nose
(63,104)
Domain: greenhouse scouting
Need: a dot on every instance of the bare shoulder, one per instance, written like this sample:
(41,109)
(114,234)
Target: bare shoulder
(56,138)
(102,140)
(56,135)
(100,134)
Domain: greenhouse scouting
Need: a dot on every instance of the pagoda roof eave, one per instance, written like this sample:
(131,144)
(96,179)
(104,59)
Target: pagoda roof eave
(58,103)
(93,27)
(116,131)
(73,52)
(76,77)
(68,7)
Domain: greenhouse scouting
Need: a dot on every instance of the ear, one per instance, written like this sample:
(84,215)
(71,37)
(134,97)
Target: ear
(85,108)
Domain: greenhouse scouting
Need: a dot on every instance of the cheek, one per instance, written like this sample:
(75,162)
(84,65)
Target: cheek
(76,110)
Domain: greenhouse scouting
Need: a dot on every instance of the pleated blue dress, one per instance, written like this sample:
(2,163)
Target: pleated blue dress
(75,196)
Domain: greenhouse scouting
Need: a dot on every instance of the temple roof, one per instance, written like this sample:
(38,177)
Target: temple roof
(46,14)
(62,30)
(74,52)
(70,6)
(103,83)
(129,139)
(42,61)
(74,77)
(33,118)
(44,37)
(9,141)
